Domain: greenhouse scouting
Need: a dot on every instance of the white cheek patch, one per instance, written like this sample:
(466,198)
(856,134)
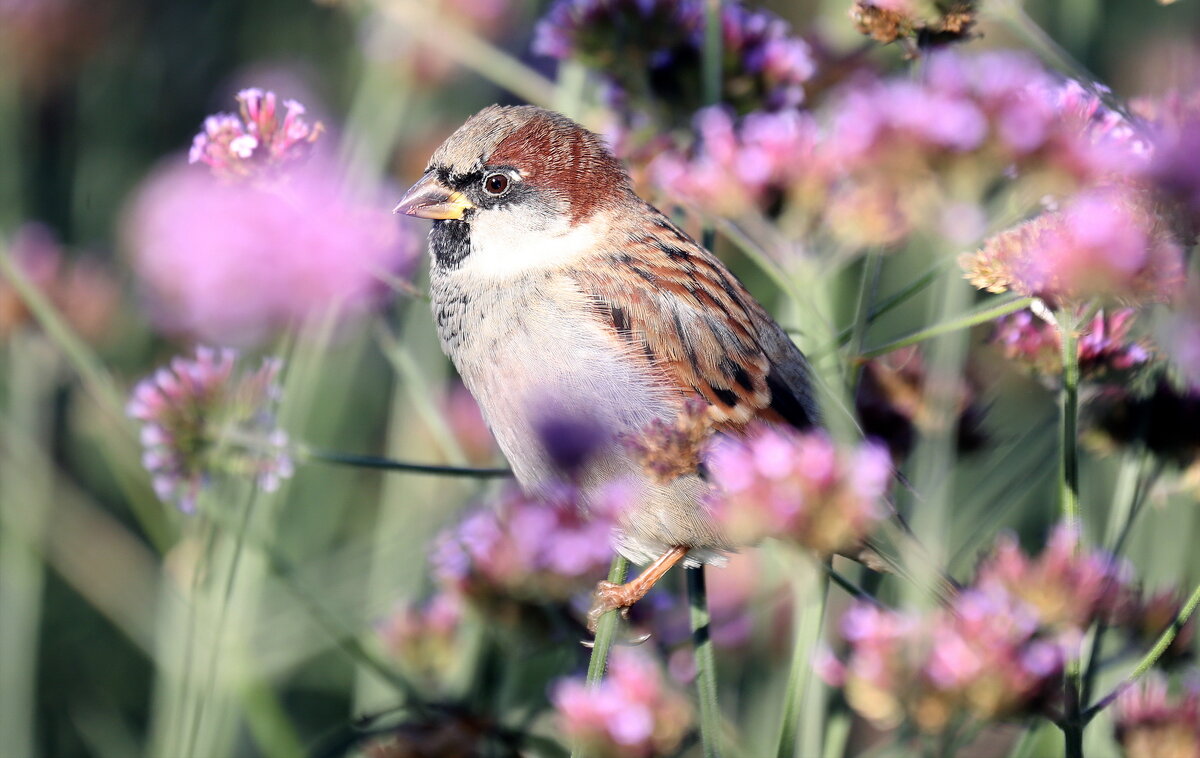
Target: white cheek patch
(507,242)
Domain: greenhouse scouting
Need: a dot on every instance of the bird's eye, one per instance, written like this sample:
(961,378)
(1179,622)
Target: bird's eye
(495,184)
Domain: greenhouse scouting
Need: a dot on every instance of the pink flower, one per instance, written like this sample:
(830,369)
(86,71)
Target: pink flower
(1067,588)
(235,263)
(424,637)
(529,549)
(632,712)
(1103,347)
(201,419)
(795,486)
(1152,724)
(259,143)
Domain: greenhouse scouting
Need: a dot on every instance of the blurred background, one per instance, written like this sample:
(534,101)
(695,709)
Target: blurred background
(130,627)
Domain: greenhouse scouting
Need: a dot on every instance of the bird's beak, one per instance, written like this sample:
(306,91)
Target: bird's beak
(429,198)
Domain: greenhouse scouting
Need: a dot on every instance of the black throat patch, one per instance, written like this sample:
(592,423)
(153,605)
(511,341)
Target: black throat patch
(450,242)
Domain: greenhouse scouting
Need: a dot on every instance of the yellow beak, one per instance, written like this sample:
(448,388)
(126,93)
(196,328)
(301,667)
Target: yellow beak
(429,198)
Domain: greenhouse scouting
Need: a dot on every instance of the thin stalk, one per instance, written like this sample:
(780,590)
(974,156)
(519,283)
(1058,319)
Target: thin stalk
(858,330)
(808,617)
(967,320)
(1148,661)
(387,464)
(706,667)
(1068,490)
(606,628)
(713,54)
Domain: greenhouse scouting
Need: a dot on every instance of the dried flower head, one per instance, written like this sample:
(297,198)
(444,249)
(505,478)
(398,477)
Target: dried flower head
(202,418)
(798,486)
(257,143)
(921,21)
(668,451)
(1152,724)
(632,713)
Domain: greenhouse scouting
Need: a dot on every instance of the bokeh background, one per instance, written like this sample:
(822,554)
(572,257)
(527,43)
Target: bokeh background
(107,647)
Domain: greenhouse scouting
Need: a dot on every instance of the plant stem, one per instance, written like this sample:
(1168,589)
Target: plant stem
(606,629)
(808,616)
(1068,482)
(387,464)
(972,318)
(713,54)
(706,668)
(1144,665)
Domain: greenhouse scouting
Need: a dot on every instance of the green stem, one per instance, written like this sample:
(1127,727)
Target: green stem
(808,617)
(1148,661)
(713,54)
(858,330)
(1068,487)
(387,464)
(706,667)
(967,320)
(606,629)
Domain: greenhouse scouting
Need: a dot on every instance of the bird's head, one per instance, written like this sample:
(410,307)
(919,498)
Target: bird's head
(511,177)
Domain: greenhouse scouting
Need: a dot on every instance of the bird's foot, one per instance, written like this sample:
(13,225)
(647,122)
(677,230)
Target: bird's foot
(611,597)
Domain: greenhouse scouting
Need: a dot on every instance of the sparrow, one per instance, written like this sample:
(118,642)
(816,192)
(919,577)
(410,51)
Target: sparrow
(557,290)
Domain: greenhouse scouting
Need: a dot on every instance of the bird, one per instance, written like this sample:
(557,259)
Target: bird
(556,289)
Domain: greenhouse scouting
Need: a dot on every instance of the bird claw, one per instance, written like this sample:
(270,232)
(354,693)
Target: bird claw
(609,597)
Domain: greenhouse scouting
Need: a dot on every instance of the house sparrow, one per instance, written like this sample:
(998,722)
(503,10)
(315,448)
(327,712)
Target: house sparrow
(557,290)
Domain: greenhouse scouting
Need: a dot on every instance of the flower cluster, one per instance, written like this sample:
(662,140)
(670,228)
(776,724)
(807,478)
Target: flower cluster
(235,262)
(983,657)
(782,483)
(651,51)
(257,142)
(423,638)
(1066,588)
(1151,724)
(82,290)
(869,167)
(633,712)
(1104,346)
(1107,243)
(202,418)
(668,451)
(525,548)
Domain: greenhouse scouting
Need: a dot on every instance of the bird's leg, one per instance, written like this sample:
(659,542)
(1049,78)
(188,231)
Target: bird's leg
(611,596)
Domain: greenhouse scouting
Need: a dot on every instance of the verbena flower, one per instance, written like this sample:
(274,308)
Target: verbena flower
(203,418)
(651,51)
(1104,346)
(983,657)
(1106,243)
(236,263)
(1067,588)
(671,450)
(257,142)
(799,487)
(530,549)
(1150,723)
(424,637)
(632,713)
(890,20)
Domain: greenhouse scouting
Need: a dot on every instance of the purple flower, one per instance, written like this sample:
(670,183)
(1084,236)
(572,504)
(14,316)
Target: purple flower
(778,482)
(632,712)
(1104,345)
(201,418)
(654,48)
(530,549)
(424,637)
(256,143)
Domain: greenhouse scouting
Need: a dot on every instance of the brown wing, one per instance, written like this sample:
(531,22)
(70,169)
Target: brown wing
(693,320)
